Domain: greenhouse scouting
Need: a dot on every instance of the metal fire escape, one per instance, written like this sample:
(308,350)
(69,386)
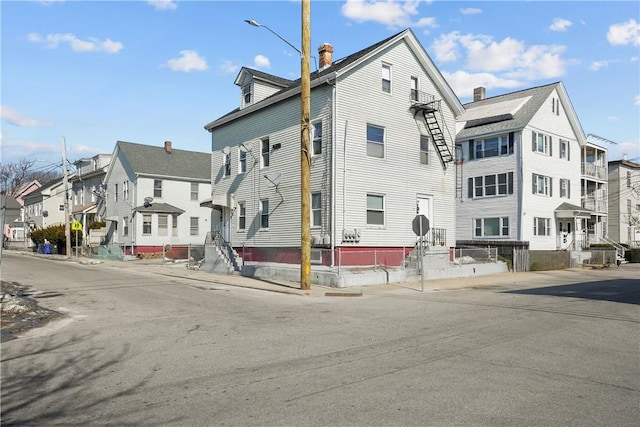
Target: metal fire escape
(429,106)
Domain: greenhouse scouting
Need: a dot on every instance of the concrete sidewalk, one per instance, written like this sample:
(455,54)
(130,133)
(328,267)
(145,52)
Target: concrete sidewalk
(179,270)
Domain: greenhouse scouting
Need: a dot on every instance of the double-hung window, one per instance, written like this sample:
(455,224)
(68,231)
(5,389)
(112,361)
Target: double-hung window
(264,153)
(316,209)
(542,185)
(375,209)
(246,94)
(125,226)
(115,192)
(541,226)
(194,225)
(264,213)
(163,223)
(564,149)
(424,149)
(146,224)
(375,141)
(565,188)
(386,77)
(492,147)
(492,227)
(227,164)
(414,89)
(242,160)
(125,190)
(194,191)
(157,188)
(316,141)
(242,216)
(541,143)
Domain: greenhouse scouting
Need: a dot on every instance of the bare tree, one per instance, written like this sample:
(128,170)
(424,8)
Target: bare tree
(14,175)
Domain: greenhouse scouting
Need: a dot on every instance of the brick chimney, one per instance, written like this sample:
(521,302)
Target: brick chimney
(326,55)
(479,94)
(167,146)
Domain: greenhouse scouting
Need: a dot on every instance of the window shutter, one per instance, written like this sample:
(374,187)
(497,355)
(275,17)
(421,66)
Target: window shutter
(550,187)
(511,141)
(568,151)
(510,182)
(568,188)
(533,139)
(470,189)
(533,180)
(471,150)
(550,146)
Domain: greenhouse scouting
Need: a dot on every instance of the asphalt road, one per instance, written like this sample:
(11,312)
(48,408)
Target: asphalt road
(139,348)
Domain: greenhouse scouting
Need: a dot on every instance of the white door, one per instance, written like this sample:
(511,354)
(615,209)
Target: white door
(423,207)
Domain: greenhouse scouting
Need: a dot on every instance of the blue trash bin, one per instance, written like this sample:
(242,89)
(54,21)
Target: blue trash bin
(40,248)
(47,248)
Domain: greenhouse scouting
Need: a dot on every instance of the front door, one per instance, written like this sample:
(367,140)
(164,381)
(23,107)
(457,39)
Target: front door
(424,205)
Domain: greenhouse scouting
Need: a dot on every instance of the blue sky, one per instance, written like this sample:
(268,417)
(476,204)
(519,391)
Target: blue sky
(97,72)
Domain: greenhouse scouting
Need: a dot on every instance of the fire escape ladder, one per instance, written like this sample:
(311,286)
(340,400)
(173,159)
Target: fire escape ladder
(439,140)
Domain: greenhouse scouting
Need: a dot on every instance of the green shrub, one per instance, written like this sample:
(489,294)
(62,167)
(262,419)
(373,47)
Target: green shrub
(55,235)
(632,255)
(96,225)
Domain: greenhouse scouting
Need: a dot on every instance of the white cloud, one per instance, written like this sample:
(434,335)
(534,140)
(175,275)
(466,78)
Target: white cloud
(636,100)
(261,61)
(392,13)
(560,24)
(163,4)
(13,117)
(463,82)
(470,11)
(625,33)
(50,2)
(228,67)
(91,45)
(188,61)
(596,65)
(445,47)
(613,118)
(509,56)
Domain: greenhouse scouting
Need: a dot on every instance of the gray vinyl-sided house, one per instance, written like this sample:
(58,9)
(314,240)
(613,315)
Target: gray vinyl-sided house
(152,196)
(624,202)
(527,171)
(382,141)
(86,186)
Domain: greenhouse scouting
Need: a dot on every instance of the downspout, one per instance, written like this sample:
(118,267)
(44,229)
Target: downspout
(520,178)
(333,169)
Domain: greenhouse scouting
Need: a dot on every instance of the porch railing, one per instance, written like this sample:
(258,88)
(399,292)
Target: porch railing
(591,169)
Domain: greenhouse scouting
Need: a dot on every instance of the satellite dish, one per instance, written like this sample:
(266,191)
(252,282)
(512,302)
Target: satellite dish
(147,201)
(274,179)
(247,146)
(226,150)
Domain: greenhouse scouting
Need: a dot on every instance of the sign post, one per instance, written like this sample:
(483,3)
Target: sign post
(420,226)
(76,226)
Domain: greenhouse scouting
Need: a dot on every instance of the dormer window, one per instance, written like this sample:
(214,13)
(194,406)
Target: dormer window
(246,94)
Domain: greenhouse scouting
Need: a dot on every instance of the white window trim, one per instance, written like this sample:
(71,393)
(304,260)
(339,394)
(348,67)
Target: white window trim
(312,210)
(263,153)
(242,205)
(383,143)
(547,227)
(313,137)
(386,65)
(383,210)
(226,161)
(501,227)
(262,201)
(242,169)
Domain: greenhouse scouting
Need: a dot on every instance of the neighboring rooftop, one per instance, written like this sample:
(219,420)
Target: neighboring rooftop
(166,161)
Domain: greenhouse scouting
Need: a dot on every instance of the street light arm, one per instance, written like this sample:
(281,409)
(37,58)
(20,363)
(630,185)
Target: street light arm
(253,23)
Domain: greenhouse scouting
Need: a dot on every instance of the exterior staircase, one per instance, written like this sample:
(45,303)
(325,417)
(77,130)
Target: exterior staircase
(620,250)
(220,255)
(429,106)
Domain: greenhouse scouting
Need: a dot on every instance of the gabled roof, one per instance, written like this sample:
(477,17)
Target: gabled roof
(513,111)
(345,64)
(45,187)
(159,208)
(261,75)
(155,161)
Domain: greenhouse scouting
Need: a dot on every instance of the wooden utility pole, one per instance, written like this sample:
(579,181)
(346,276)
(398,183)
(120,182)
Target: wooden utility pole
(65,185)
(305,156)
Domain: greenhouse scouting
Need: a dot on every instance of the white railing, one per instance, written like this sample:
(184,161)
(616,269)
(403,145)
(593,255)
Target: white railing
(591,169)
